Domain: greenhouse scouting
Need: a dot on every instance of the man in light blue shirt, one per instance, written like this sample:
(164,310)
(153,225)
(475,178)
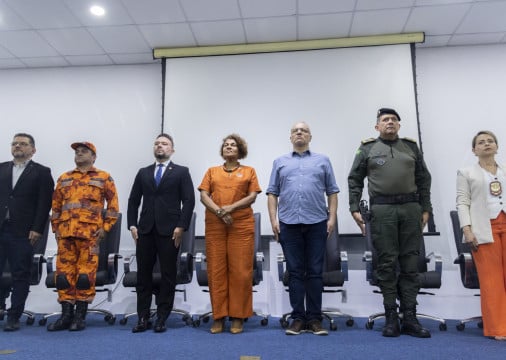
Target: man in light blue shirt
(301,221)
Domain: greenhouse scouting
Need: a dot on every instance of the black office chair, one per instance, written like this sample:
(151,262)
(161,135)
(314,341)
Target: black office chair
(335,273)
(429,279)
(184,273)
(107,272)
(468,272)
(202,279)
(36,275)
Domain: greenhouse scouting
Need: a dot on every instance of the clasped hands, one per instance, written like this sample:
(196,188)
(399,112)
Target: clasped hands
(224,214)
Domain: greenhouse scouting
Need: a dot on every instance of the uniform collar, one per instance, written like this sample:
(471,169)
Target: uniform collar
(388,142)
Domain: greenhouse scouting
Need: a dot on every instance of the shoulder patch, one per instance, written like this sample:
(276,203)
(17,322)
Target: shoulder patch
(409,139)
(366,141)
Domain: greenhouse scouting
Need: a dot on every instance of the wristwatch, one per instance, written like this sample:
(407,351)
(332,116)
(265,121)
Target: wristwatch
(220,212)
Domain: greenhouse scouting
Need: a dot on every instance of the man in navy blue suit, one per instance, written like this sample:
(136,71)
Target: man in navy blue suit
(168,199)
(26,188)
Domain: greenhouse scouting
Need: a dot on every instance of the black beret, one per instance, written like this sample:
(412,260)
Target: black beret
(383,111)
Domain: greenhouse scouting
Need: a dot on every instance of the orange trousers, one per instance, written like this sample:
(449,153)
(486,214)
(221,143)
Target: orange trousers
(229,252)
(490,260)
(77,257)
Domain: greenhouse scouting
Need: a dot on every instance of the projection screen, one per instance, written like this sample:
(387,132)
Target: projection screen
(260,96)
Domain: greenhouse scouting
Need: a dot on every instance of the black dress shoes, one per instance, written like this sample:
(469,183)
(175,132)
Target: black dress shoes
(143,324)
(160,325)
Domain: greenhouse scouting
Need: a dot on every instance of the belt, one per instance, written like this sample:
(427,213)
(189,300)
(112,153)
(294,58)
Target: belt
(395,199)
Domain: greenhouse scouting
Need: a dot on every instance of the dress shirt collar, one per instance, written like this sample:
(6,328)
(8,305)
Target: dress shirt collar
(165,164)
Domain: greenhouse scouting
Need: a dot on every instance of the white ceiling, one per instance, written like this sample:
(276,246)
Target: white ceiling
(47,33)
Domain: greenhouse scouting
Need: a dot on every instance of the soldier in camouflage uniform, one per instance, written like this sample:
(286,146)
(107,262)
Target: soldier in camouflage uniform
(399,194)
(79,226)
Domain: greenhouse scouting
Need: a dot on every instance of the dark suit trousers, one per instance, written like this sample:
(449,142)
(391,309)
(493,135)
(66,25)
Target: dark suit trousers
(18,252)
(149,246)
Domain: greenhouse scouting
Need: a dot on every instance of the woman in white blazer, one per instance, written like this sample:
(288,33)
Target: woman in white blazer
(481,205)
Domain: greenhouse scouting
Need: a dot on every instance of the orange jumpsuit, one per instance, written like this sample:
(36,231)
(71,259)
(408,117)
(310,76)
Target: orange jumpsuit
(229,248)
(77,207)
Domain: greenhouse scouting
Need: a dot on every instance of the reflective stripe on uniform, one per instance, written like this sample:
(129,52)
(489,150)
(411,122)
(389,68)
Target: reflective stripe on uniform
(70,206)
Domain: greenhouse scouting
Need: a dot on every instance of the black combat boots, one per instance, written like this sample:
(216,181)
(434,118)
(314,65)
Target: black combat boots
(67,314)
(411,326)
(78,322)
(391,328)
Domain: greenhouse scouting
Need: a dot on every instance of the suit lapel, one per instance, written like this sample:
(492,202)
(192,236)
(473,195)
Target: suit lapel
(28,169)
(150,173)
(168,171)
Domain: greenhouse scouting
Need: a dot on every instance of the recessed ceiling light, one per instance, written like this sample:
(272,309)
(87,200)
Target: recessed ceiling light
(97,10)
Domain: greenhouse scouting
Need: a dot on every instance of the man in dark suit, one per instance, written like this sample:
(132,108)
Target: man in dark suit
(26,188)
(168,199)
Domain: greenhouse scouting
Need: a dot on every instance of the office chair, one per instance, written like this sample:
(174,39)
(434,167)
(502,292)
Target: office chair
(335,273)
(38,260)
(429,279)
(184,273)
(202,279)
(468,272)
(107,271)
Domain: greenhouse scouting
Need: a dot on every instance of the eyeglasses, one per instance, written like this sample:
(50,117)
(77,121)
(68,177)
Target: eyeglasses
(296,130)
(20,143)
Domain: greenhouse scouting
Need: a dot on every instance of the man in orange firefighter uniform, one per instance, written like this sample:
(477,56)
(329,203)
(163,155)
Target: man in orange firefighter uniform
(79,225)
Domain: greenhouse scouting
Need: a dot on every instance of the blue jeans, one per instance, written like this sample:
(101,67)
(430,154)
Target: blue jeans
(304,249)
(18,252)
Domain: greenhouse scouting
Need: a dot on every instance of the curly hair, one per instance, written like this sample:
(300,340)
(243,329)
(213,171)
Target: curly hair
(242,146)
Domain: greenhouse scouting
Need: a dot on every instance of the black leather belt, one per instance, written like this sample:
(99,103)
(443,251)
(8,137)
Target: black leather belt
(395,199)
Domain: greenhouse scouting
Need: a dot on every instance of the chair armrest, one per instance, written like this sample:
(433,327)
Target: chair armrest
(201,269)
(200,262)
(470,274)
(258,273)
(126,263)
(281,266)
(367,258)
(49,263)
(438,261)
(185,268)
(112,267)
(36,272)
(344,264)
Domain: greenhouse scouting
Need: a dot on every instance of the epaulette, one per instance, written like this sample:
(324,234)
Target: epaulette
(409,139)
(366,141)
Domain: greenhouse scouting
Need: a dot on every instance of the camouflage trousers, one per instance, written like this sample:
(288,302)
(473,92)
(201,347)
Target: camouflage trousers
(76,269)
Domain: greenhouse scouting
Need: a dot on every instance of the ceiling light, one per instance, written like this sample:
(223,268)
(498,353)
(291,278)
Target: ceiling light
(97,10)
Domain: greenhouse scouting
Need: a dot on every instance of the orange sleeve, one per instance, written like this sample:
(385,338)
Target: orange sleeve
(206,181)
(111,196)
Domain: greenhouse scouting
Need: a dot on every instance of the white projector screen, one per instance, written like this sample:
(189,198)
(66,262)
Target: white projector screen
(260,96)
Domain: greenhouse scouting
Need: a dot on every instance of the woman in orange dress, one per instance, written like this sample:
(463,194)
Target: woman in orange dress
(227,191)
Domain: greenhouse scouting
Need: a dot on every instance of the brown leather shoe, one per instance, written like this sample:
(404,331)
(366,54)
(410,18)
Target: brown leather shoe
(236,327)
(296,327)
(217,326)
